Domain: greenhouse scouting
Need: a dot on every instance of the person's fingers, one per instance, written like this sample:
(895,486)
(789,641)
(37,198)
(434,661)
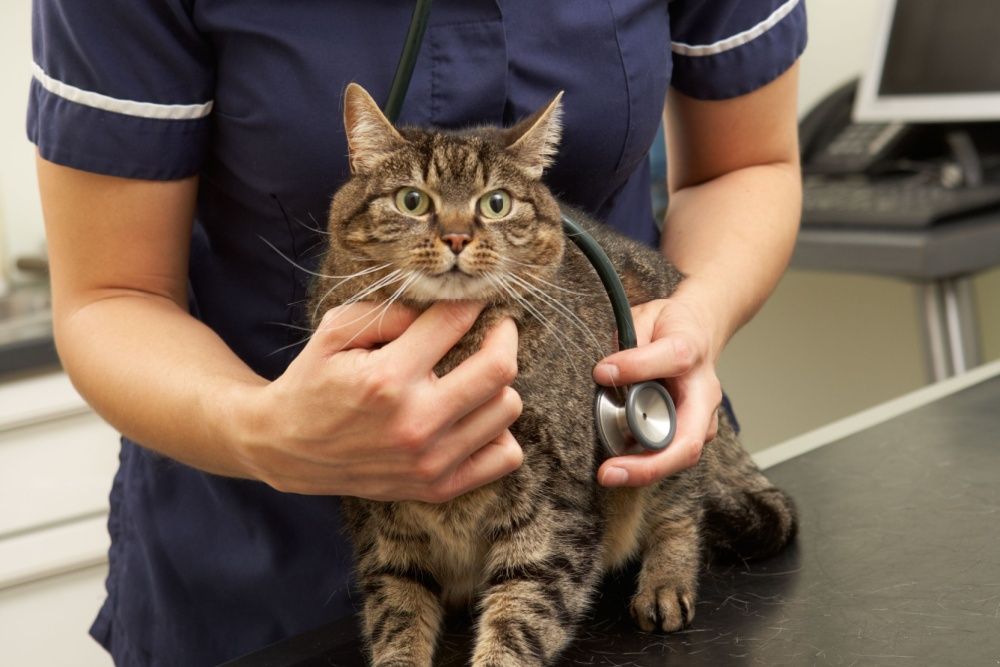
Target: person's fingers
(484,373)
(437,404)
(645,469)
(695,413)
(487,464)
(431,335)
(697,407)
(713,428)
(448,449)
(666,357)
(360,325)
(644,318)
(484,424)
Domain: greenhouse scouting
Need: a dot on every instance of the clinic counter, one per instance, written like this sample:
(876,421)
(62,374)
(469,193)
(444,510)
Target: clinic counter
(897,560)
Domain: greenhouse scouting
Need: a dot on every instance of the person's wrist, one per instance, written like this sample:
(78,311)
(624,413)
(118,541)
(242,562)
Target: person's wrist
(712,311)
(245,423)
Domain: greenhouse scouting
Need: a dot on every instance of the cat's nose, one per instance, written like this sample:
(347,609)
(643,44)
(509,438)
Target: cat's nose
(456,242)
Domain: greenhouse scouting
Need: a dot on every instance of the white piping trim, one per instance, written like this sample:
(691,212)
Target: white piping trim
(738,39)
(127,107)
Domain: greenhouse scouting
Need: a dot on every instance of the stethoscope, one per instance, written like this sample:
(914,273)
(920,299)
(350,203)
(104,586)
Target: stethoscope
(629,420)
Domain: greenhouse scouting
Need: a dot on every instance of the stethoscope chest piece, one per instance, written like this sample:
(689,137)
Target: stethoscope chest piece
(640,419)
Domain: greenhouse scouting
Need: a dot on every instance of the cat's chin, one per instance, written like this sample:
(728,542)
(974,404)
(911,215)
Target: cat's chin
(450,286)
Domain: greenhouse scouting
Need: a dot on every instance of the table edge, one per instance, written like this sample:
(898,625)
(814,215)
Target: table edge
(877,414)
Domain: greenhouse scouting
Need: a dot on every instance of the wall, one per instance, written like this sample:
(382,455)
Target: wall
(827,344)
(20,213)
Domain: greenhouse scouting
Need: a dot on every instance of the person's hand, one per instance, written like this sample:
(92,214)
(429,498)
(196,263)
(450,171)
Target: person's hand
(675,344)
(361,412)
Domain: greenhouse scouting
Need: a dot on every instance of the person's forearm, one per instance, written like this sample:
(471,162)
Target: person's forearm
(118,251)
(733,236)
(158,375)
(334,423)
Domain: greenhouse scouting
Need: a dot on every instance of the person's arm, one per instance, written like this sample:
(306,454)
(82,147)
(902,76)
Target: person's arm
(733,216)
(372,420)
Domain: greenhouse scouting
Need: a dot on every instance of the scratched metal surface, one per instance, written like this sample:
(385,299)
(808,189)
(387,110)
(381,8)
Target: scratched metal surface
(897,563)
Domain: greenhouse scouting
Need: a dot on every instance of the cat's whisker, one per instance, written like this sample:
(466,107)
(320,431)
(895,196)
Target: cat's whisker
(390,279)
(368,314)
(385,280)
(399,293)
(373,314)
(528,264)
(537,314)
(560,308)
(322,244)
(502,261)
(379,314)
(288,325)
(316,229)
(536,278)
(293,218)
(314,273)
(557,305)
(301,341)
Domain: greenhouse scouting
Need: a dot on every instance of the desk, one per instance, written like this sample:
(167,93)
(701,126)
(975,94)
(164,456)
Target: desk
(940,259)
(897,562)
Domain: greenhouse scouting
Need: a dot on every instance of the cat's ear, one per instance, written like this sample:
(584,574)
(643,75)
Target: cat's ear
(534,141)
(370,135)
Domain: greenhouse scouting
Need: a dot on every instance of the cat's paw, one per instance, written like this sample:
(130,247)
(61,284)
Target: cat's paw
(663,608)
(505,661)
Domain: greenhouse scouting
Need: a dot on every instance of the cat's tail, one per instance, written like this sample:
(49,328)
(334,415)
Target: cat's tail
(747,524)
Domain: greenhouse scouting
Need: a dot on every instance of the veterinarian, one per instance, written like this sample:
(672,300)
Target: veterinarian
(179,140)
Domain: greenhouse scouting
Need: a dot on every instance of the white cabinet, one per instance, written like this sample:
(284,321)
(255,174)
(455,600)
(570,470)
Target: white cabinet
(57,460)
(45,622)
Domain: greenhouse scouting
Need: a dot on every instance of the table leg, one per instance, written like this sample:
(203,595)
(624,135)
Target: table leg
(951,337)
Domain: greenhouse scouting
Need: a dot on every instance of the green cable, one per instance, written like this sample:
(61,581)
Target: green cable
(590,248)
(407,60)
(612,283)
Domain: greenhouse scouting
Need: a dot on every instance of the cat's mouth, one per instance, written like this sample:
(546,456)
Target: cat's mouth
(452,283)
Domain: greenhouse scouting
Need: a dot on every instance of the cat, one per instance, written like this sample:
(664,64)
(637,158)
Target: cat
(528,550)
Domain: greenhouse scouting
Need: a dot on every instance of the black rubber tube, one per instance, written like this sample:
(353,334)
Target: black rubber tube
(612,283)
(407,60)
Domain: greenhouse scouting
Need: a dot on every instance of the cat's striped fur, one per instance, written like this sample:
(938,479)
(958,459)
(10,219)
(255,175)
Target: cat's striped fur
(528,550)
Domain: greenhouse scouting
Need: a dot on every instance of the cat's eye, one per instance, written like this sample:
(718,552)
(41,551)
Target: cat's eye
(495,205)
(412,201)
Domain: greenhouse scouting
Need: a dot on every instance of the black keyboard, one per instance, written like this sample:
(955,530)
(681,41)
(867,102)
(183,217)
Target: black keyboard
(889,202)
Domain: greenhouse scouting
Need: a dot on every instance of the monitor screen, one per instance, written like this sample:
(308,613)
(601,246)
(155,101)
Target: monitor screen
(935,60)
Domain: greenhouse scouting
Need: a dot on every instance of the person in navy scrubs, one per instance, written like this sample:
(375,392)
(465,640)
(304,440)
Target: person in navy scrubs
(178,140)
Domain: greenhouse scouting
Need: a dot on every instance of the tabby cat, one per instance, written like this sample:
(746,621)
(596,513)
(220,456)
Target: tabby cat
(464,215)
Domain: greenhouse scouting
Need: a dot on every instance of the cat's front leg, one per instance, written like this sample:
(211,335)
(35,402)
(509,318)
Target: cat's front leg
(668,581)
(401,616)
(542,577)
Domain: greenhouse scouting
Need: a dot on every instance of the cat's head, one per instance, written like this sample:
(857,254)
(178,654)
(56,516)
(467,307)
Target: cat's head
(458,213)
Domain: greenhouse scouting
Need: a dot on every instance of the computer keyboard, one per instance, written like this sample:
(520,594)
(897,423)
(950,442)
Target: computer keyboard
(889,202)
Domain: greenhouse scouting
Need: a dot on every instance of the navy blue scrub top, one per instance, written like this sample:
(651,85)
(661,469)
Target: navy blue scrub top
(248,96)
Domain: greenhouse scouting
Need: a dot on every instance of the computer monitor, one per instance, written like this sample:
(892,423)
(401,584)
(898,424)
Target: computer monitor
(934,61)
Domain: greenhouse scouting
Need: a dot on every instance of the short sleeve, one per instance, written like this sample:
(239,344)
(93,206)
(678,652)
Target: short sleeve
(726,48)
(120,87)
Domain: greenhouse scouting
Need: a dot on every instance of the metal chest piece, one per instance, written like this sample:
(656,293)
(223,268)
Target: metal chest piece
(644,419)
